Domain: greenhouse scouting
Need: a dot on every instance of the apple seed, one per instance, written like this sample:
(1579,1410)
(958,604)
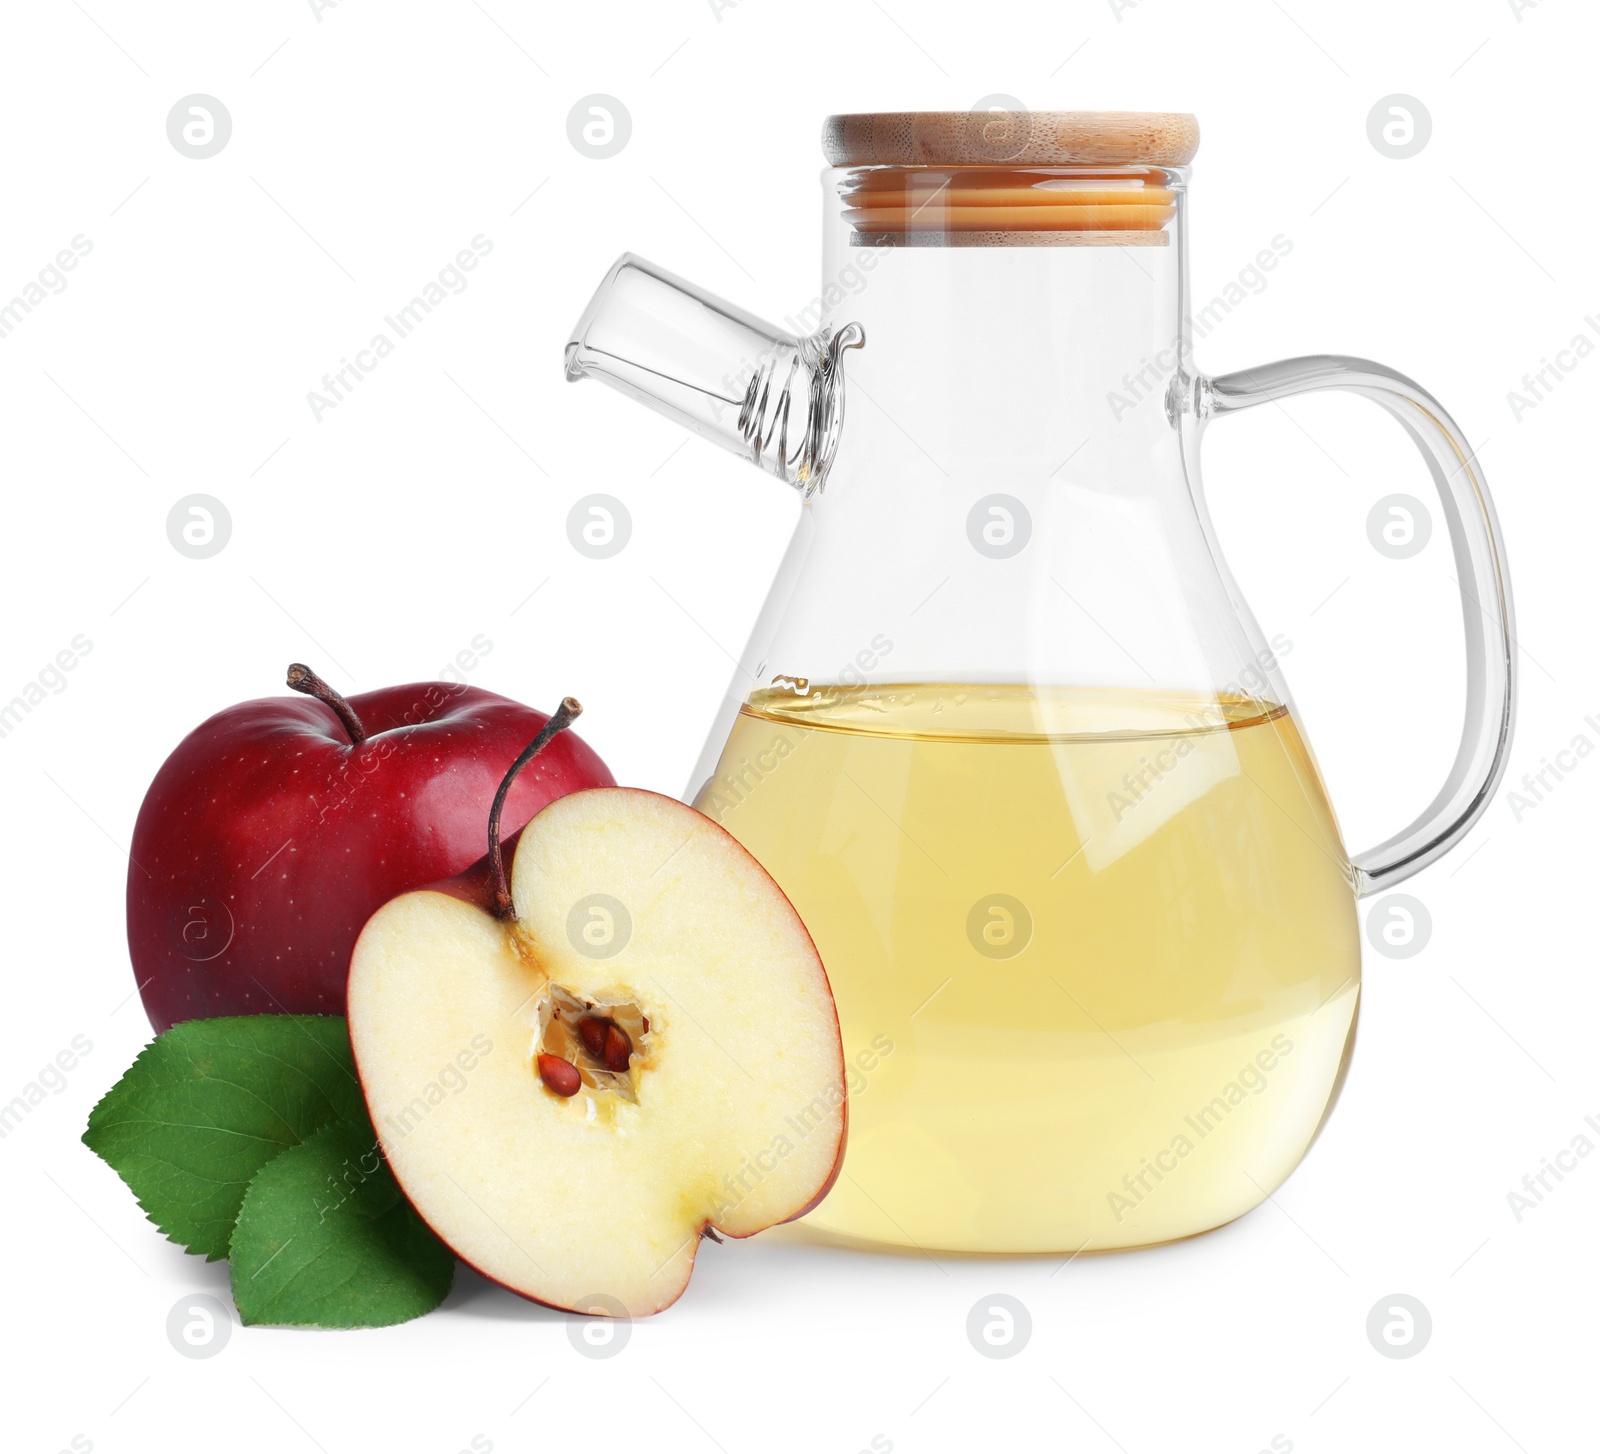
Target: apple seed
(618,1049)
(592,1031)
(560,1076)
(607,1041)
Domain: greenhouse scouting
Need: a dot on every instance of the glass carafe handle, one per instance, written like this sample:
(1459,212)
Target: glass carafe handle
(1485,591)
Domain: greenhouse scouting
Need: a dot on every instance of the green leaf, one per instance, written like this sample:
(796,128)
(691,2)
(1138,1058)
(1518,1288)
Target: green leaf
(326,1239)
(209,1103)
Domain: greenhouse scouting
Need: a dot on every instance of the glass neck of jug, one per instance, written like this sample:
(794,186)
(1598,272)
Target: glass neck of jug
(1012,315)
(1019,437)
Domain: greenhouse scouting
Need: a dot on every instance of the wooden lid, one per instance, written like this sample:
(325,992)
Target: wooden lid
(1024,138)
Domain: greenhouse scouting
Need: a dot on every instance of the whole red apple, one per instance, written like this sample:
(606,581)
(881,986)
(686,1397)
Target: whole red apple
(280,826)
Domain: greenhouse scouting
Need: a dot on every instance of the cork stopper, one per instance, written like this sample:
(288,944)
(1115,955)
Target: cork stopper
(1014,138)
(1010,178)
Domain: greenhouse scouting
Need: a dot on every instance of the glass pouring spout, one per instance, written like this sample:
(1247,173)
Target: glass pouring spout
(776,399)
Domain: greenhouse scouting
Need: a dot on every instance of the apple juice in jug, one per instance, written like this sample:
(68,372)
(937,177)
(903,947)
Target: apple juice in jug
(1095,951)
(1060,841)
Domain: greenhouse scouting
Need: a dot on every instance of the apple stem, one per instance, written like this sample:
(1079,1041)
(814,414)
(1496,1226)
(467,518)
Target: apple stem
(564,717)
(303,679)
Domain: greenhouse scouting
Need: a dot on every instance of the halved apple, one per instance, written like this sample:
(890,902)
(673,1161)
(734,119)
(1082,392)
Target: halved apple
(574,1077)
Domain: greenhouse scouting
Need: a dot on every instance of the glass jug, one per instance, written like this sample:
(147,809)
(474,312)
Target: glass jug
(1006,732)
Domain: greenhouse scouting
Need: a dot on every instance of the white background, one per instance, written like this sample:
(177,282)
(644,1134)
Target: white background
(370,143)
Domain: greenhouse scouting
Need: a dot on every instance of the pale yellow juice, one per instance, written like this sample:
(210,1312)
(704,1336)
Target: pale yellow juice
(1095,952)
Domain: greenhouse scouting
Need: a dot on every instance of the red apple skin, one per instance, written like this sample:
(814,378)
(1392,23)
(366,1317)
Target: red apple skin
(267,840)
(474,885)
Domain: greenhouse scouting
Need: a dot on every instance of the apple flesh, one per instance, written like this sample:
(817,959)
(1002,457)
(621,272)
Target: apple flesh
(277,828)
(648,957)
